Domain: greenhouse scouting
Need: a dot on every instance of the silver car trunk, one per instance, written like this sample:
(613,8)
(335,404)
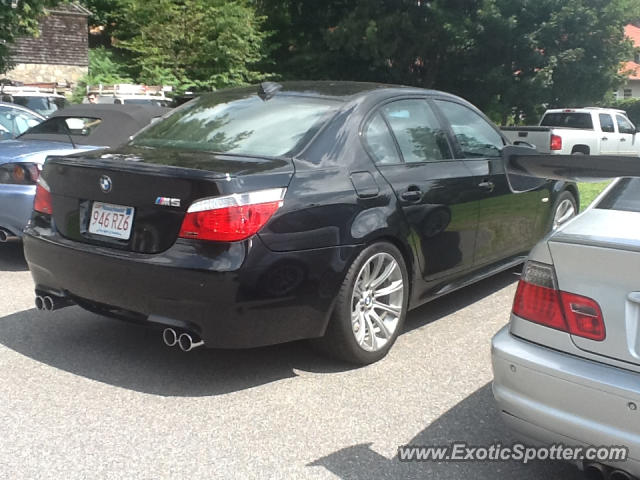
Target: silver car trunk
(598,256)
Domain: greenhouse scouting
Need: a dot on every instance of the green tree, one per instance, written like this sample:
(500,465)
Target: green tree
(207,43)
(106,67)
(18,18)
(509,57)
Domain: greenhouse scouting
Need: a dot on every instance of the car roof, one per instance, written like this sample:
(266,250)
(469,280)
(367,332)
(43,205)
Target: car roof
(118,123)
(343,90)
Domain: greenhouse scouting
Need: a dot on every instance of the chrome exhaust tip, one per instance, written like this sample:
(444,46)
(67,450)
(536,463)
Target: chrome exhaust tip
(47,303)
(39,302)
(620,475)
(169,337)
(595,471)
(186,342)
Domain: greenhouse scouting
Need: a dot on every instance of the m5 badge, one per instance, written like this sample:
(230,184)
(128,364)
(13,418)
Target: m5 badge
(168,202)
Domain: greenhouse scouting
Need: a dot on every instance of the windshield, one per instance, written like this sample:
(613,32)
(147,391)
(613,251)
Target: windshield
(567,120)
(242,123)
(43,105)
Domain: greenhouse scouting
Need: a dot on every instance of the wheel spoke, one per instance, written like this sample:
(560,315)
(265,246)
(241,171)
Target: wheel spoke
(360,334)
(372,334)
(376,266)
(384,331)
(387,308)
(389,289)
(385,274)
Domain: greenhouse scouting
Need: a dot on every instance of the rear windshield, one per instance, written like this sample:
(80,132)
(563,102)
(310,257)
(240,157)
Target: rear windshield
(239,122)
(625,195)
(568,120)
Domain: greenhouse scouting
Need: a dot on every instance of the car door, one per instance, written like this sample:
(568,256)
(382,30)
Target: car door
(508,223)
(435,190)
(609,139)
(627,134)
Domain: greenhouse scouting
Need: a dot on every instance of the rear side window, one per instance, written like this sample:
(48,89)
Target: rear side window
(476,137)
(417,131)
(81,126)
(568,120)
(380,142)
(606,123)
(242,123)
(625,195)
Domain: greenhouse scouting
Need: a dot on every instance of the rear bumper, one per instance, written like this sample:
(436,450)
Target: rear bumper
(550,397)
(233,295)
(16,204)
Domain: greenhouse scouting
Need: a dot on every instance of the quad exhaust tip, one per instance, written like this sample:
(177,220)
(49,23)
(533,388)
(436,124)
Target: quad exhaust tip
(50,303)
(598,471)
(5,236)
(185,341)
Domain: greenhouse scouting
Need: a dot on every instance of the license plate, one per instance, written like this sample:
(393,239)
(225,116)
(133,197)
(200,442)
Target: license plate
(113,221)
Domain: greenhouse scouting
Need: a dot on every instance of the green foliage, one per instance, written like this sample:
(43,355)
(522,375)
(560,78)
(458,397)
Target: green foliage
(509,57)
(206,43)
(19,21)
(106,67)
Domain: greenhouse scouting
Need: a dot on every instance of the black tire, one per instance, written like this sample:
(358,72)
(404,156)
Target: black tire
(562,197)
(339,341)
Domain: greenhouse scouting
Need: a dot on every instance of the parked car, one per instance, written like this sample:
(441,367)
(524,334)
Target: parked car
(567,367)
(584,131)
(256,216)
(45,101)
(72,130)
(15,120)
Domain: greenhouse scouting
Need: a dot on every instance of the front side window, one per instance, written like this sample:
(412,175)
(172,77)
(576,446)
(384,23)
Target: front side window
(606,123)
(624,125)
(476,137)
(417,131)
(625,196)
(240,122)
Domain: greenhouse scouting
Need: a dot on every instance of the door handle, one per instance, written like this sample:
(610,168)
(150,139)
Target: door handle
(487,185)
(623,139)
(604,139)
(413,194)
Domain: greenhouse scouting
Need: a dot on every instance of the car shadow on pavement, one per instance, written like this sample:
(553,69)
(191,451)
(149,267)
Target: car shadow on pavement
(134,357)
(12,257)
(474,421)
(452,302)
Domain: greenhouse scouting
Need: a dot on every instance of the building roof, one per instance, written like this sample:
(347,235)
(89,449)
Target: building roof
(632,69)
(70,9)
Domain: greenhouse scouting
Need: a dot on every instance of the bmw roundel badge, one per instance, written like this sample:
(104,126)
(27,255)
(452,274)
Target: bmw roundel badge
(105,184)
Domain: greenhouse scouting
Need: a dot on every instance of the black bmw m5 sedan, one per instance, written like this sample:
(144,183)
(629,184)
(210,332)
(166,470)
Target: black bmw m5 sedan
(267,214)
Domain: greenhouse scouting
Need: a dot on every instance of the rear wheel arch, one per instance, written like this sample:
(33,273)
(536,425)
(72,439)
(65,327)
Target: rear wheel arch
(580,150)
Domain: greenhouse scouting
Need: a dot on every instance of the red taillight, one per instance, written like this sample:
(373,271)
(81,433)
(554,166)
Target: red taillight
(538,300)
(556,142)
(584,316)
(231,218)
(42,202)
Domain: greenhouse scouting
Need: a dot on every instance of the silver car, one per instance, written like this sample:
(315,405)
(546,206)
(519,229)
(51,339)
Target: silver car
(567,367)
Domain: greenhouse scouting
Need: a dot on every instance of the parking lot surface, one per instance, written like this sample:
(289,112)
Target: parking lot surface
(88,397)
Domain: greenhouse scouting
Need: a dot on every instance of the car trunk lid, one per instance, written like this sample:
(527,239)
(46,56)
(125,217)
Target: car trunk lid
(158,186)
(598,256)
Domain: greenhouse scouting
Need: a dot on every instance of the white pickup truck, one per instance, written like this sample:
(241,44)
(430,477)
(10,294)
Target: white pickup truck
(587,131)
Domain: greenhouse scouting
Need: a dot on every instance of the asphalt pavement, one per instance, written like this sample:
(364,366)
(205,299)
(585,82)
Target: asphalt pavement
(85,397)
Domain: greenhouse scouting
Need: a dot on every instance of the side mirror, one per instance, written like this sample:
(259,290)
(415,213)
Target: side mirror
(519,183)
